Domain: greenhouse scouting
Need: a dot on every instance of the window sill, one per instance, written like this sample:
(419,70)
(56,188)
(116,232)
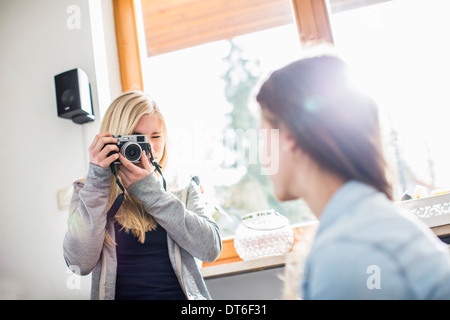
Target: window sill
(238,267)
(229,262)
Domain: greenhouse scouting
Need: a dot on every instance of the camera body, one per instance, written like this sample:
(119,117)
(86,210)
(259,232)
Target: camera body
(131,147)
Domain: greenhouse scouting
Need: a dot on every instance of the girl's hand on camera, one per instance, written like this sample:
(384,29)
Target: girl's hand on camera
(130,173)
(98,151)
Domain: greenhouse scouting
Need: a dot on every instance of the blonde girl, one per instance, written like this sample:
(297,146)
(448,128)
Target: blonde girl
(148,250)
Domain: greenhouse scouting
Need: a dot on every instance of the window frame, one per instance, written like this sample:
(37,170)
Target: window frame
(311,18)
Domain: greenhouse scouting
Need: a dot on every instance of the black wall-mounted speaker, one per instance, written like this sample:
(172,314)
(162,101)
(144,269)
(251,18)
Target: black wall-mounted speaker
(73,96)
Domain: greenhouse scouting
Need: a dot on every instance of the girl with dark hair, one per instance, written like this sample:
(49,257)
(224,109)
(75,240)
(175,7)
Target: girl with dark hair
(330,154)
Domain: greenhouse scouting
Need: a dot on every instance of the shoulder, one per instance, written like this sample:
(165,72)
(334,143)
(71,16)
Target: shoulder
(375,223)
(77,186)
(354,270)
(79,182)
(374,219)
(376,238)
(187,189)
(178,184)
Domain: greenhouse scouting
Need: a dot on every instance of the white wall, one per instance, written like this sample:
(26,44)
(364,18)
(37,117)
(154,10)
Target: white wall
(41,153)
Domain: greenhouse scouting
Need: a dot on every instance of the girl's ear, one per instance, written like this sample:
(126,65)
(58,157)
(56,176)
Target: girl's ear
(288,144)
(287,141)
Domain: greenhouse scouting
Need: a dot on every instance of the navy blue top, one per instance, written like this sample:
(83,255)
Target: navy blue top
(144,271)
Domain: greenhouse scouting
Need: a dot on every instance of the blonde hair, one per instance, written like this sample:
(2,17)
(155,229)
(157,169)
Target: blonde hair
(121,118)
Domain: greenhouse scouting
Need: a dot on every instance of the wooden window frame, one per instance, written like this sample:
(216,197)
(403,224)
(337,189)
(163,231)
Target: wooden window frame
(313,24)
(128,47)
(175,25)
(311,16)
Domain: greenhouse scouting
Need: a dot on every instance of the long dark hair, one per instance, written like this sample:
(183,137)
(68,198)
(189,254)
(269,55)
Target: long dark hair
(335,124)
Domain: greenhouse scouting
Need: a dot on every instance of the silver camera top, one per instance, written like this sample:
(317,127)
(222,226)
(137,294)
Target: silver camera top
(139,138)
(131,146)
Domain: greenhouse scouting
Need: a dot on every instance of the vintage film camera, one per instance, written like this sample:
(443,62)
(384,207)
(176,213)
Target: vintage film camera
(131,146)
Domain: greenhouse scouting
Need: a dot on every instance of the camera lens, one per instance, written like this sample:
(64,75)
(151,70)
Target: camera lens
(132,151)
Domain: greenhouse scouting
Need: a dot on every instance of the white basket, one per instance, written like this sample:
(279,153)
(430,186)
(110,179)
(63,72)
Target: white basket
(262,234)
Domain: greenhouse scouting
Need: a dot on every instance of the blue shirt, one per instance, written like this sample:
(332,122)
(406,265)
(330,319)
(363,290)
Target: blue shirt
(367,248)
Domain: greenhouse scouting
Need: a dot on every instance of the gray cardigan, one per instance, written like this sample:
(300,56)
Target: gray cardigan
(191,232)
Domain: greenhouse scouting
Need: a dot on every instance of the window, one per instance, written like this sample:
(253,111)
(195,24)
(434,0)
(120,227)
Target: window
(207,94)
(399,52)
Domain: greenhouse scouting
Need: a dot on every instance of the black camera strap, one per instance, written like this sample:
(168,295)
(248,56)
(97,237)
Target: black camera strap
(158,168)
(118,202)
(156,165)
